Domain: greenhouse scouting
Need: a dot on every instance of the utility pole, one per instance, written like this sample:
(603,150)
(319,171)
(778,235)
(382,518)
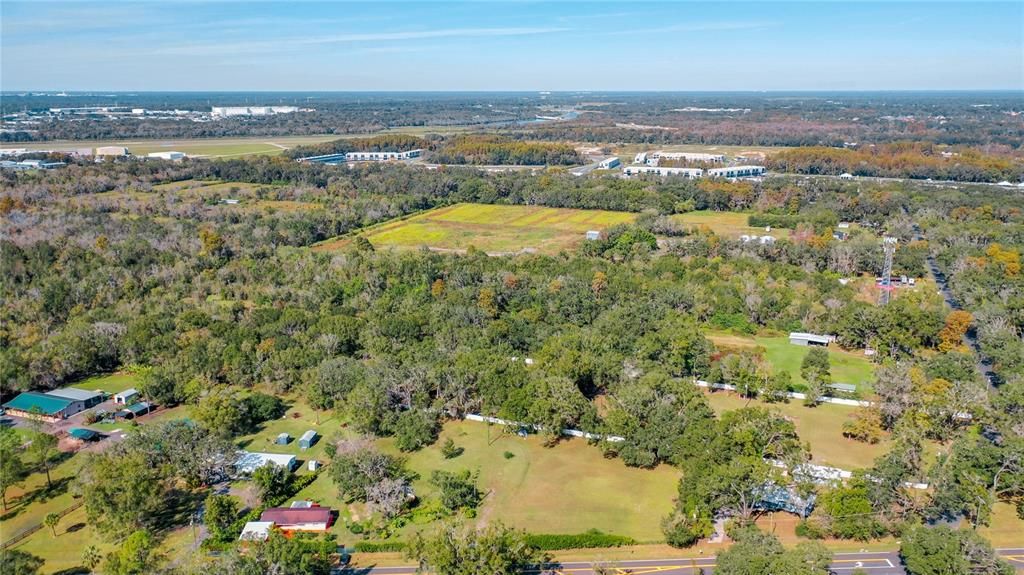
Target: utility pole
(889,247)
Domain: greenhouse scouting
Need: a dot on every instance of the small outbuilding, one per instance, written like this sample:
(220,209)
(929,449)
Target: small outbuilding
(593,235)
(135,410)
(308,439)
(126,397)
(843,388)
(806,339)
(283,439)
(313,465)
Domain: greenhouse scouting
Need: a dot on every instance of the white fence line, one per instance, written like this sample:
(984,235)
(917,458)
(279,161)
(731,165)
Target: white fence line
(535,427)
(790,394)
(817,472)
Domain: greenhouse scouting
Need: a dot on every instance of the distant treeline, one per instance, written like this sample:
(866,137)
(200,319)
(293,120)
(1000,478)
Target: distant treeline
(488,149)
(475,149)
(901,160)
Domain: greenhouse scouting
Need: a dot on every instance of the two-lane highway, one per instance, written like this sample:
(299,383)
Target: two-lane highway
(873,562)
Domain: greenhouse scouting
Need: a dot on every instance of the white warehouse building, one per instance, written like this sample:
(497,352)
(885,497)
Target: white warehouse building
(689,173)
(382,156)
(609,163)
(737,172)
(173,156)
(689,157)
(225,111)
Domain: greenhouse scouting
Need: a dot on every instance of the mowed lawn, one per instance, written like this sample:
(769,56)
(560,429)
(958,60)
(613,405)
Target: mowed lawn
(496,228)
(822,428)
(846,366)
(109,384)
(726,224)
(568,488)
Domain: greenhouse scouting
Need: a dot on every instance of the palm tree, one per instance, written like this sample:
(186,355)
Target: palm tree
(51,521)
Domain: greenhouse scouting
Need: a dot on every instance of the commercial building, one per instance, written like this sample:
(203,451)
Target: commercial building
(173,156)
(609,163)
(227,111)
(382,156)
(115,151)
(30,165)
(686,156)
(689,173)
(737,172)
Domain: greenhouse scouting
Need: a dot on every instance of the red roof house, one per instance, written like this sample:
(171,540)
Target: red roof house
(299,519)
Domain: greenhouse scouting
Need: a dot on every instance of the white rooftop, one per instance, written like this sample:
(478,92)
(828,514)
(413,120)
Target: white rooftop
(249,461)
(256,531)
(73,393)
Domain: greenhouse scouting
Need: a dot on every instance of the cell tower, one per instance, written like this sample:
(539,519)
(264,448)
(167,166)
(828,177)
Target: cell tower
(889,247)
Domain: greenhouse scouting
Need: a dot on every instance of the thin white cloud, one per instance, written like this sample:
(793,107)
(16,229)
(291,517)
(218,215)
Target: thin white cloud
(214,48)
(721,26)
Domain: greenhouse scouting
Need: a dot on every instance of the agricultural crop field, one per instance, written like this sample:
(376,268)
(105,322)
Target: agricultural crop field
(726,224)
(495,229)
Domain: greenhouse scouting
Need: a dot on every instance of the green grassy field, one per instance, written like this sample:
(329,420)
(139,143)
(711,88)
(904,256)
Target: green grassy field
(493,228)
(822,428)
(727,224)
(847,366)
(297,420)
(109,384)
(568,488)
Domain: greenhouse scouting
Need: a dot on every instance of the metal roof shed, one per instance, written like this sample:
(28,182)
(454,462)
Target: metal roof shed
(83,433)
(283,439)
(308,439)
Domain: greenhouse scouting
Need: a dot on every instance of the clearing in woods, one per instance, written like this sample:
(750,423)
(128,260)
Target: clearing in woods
(495,229)
(568,488)
(726,224)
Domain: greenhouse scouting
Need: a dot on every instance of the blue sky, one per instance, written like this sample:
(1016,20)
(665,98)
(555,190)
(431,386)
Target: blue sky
(622,45)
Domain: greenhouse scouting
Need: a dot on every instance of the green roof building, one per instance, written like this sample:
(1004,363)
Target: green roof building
(31,403)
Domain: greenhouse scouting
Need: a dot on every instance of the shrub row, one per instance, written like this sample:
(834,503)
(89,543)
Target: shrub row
(379,546)
(589,539)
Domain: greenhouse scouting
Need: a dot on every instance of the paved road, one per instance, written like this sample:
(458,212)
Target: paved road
(875,563)
(971,337)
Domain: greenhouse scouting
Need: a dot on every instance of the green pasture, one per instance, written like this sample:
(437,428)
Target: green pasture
(727,224)
(568,488)
(496,228)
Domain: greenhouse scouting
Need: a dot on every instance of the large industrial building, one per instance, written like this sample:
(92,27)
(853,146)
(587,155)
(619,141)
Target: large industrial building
(332,159)
(689,173)
(652,159)
(226,111)
(737,172)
